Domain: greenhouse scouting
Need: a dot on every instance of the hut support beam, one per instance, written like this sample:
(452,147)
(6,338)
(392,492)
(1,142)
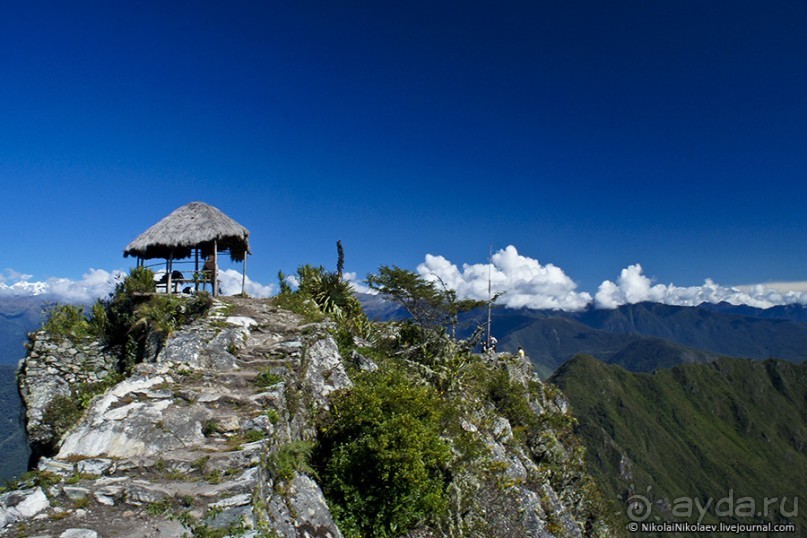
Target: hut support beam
(215,268)
(196,271)
(169,266)
(244,274)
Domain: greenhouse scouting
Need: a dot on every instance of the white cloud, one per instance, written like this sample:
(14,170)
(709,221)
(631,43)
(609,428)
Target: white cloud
(357,285)
(97,283)
(231,285)
(12,275)
(633,286)
(781,287)
(93,284)
(523,281)
(527,283)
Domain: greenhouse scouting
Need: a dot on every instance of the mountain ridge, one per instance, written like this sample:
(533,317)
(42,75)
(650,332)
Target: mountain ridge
(225,430)
(695,430)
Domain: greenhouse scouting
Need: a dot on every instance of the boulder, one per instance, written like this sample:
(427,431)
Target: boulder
(21,504)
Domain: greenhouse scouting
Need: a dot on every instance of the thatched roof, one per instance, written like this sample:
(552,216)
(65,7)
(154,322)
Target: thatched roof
(192,226)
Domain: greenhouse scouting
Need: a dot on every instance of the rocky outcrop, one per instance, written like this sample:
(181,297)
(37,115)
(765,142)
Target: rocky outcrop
(193,441)
(536,489)
(182,445)
(57,367)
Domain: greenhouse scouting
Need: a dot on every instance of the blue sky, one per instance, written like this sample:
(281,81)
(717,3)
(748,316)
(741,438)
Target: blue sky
(589,135)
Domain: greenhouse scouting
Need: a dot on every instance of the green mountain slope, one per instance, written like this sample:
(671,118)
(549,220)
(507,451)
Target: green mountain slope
(730,427)
(13,445)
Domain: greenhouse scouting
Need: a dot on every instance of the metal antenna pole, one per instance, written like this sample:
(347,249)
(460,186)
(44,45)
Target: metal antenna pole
(490,297)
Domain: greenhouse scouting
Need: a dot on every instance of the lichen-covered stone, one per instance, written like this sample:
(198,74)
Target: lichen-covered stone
(57,367)
(325,371)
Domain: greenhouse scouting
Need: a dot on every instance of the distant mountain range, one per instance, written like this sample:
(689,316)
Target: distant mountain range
(645,336)
(732,427)
(18,316)
(640,337)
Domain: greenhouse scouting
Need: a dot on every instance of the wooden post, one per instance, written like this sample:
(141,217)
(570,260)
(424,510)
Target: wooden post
(168,268)
(215,268)
(196,272)
(244,274)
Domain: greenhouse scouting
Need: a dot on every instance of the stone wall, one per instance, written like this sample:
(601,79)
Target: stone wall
(57,367)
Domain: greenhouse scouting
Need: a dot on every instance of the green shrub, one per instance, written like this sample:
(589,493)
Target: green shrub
(99,320)
(61,414)
(267,379)
(381,458)
(299,304)
(253,435)
(321,292)
(273,415)
(67,321)
(31,479)
(210,427)
(511,400)
(85,392)
(139,280)
(121,318)
(288,459)
(158,508)
(134,311)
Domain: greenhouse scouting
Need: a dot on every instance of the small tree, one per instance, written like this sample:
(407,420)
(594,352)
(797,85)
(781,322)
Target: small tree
(432,307)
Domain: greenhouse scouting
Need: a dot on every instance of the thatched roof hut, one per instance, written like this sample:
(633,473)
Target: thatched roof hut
(195,226)
(195,229)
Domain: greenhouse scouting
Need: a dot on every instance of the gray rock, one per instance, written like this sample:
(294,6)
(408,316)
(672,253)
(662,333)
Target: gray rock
(232,516)
(311,514)
(133,429)
(325,372)
(260,423)
(228,423)
(241,321)
(142,429)
(362,363)
(501,430)
(21,504)
(141,492)
(95,466)
(55,466)
(79,533)
(236,500)
(107,497)
(75,493)
(559,513)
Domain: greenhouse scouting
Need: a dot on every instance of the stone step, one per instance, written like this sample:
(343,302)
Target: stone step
(253,362)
